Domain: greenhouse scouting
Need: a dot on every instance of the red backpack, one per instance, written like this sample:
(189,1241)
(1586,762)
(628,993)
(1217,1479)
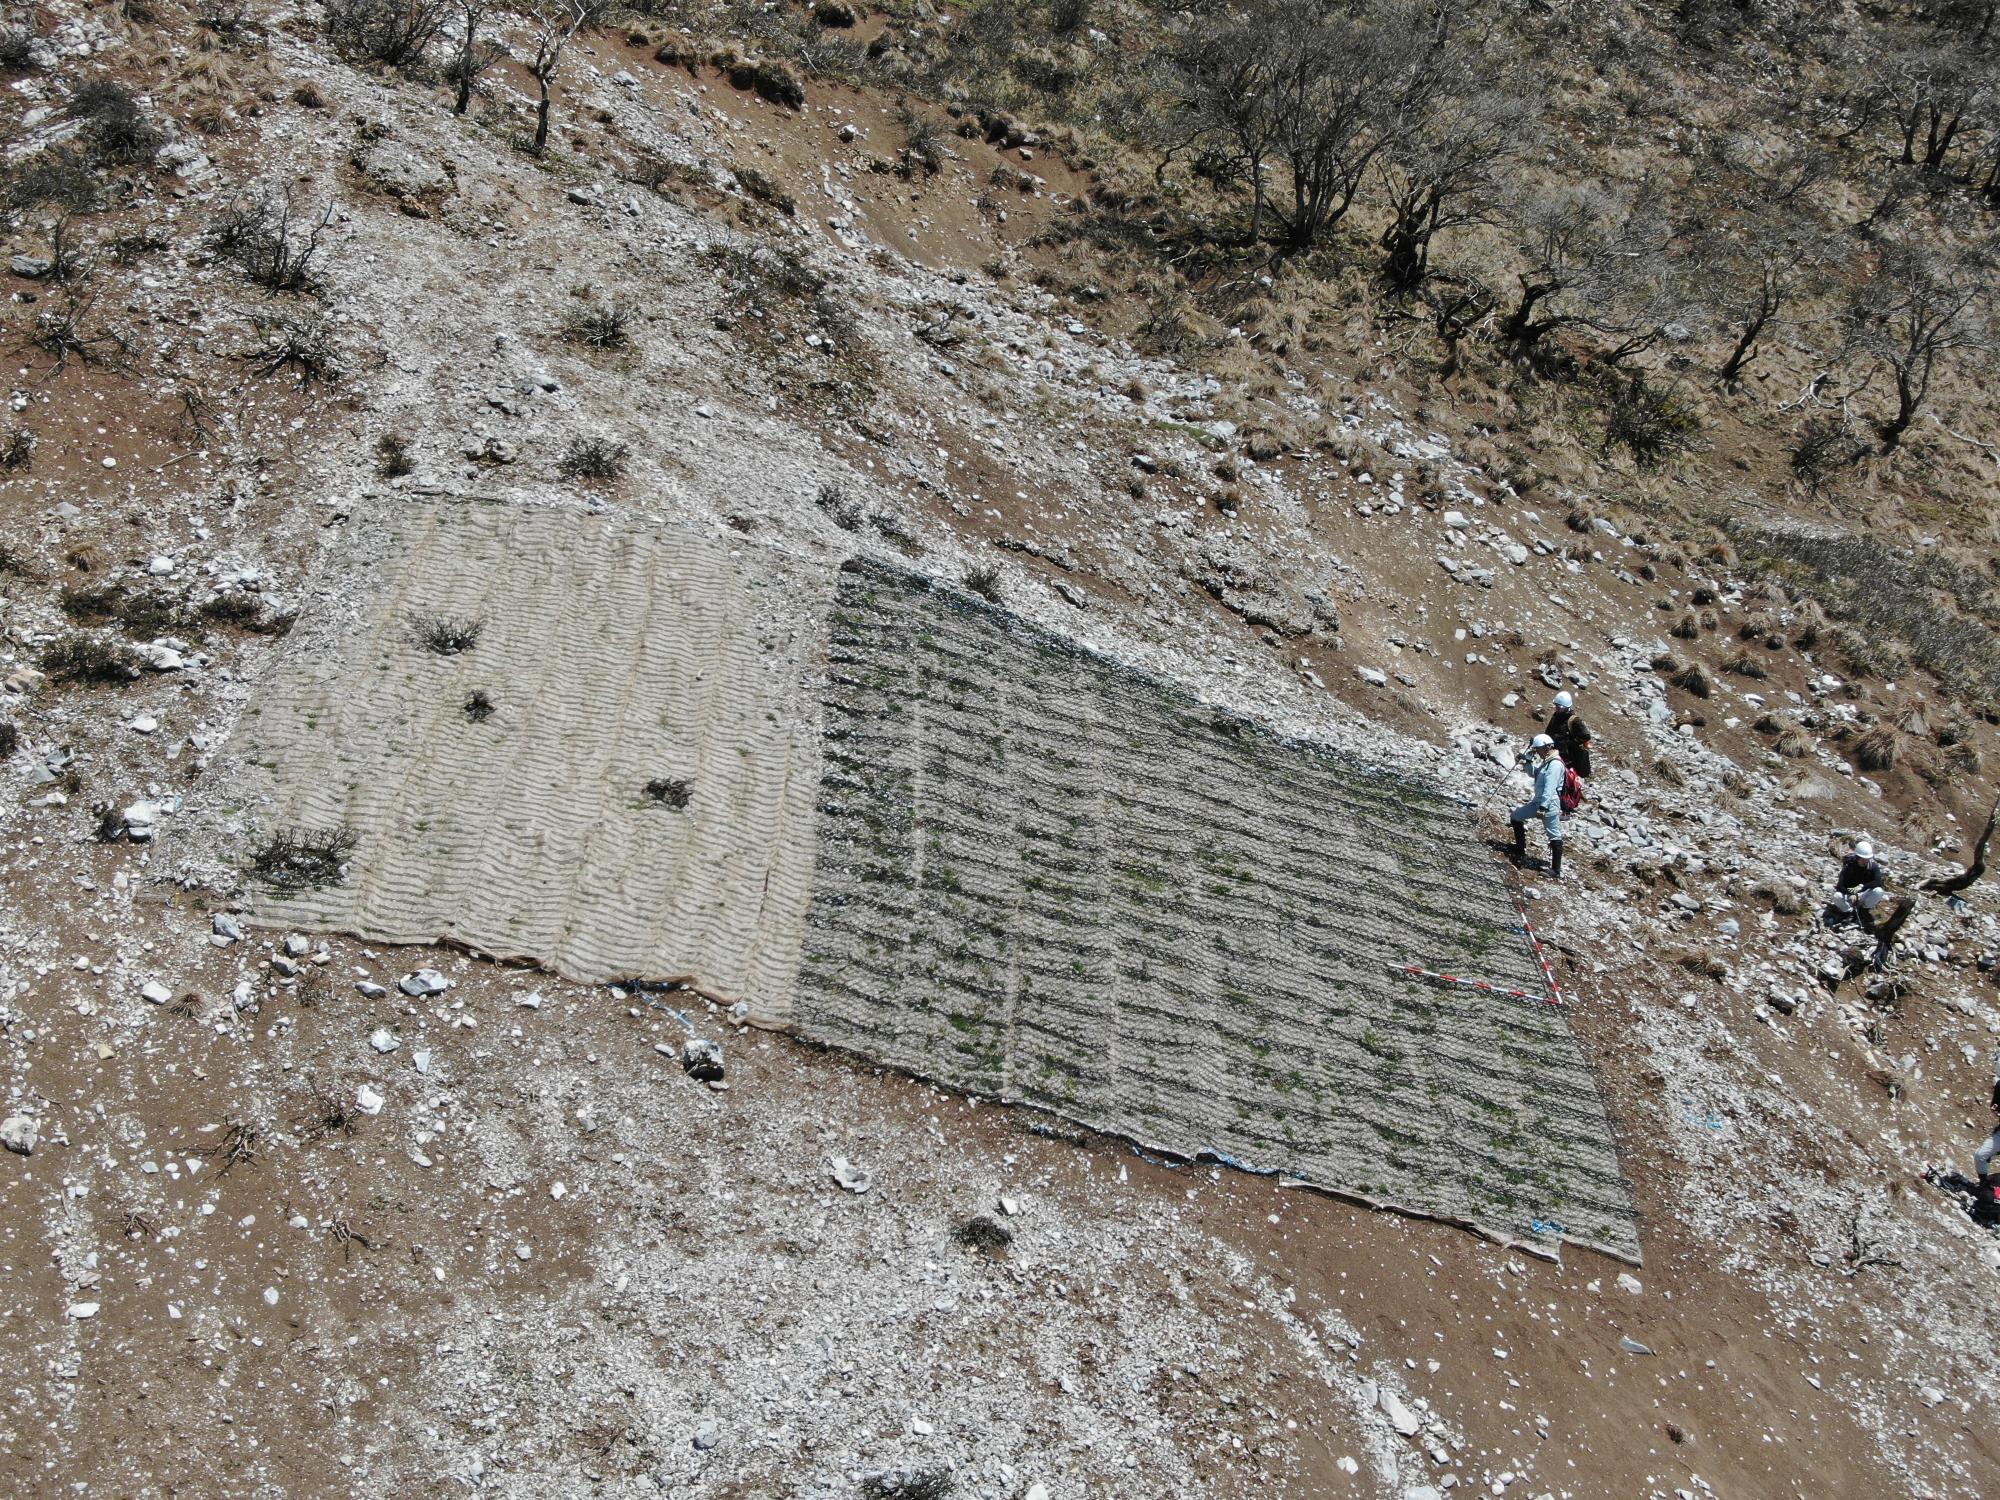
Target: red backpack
(1571,795)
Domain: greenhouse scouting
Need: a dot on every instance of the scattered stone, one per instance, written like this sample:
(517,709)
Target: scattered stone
(370,989)
(368,1101)
(422,982)
(708,1434)
(1627,1282)
(155,992)
(702,1059)
(855,1179)
(226,927)
(1400,1416)
(296,946)
(19,1134)
(1632,1346)
(82,1310)
(1373,676)
(382,1039)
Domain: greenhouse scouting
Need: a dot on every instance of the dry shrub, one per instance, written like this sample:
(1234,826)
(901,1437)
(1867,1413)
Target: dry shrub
(1687,627)
(1743,664)
(1769,724)
(1880,748)
(1667,773)
(1812,620)
(1782,894)
(1694,678)
(1794,743)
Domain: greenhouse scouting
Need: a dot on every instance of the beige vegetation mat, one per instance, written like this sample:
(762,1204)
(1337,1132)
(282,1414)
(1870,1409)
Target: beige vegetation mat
(1051,879)
(1042,876)
(615,655)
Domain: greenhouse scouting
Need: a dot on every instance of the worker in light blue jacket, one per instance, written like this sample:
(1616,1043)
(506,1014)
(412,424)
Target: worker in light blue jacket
(1546,766)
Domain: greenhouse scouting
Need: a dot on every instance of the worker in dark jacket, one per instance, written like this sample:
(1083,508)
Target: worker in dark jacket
(1571,734)
(1860,887)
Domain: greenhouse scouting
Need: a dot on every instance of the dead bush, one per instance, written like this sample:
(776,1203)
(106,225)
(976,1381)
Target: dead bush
(1667,773)
(392,456)
(478,707)
(391,32)
(1743,664)
(273,238)
(1793,743)
(984,580)
(673,793)
(592,458)
(303,345)
(89,659)
(1687,627)
(446,635)
(302,859)
(599,327)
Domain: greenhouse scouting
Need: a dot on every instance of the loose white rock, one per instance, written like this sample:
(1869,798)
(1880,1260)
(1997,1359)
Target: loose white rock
(19,1133)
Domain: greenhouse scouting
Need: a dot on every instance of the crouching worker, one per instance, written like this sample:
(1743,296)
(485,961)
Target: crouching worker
(1858,889)
(1547,768)
(1980,1193)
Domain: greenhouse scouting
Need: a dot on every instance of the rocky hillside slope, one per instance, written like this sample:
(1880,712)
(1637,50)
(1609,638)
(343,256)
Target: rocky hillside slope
(289,1225)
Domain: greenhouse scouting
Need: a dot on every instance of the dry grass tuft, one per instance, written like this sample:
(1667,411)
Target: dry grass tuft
(1694,678)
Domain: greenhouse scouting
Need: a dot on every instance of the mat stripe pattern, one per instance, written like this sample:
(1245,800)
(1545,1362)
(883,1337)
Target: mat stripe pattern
(615,653)
(1047,878)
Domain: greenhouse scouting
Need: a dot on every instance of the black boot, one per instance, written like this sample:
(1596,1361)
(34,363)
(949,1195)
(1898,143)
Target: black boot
(1520,843)
(1555,859)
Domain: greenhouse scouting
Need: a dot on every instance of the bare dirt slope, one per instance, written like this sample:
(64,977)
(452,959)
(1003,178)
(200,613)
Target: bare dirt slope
(283,1234)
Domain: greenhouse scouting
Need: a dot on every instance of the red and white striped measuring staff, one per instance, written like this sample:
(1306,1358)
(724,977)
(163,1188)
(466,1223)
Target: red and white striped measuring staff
(1486,986)
(1553,997)
(1555,990)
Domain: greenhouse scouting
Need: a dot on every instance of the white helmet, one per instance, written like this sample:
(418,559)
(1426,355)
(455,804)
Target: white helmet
(1563,700)
(1541,742)
(1865,849)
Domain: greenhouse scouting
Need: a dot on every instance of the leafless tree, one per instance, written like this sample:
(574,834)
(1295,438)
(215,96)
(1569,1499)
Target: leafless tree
(1764,254)
(1445,173)
(474,55)
(1934,94)
(394,32)
(1318,89)
(1919,307)
(1599,262)
(553,24)
(1222,81)
(1347,88)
